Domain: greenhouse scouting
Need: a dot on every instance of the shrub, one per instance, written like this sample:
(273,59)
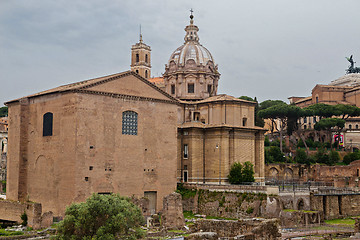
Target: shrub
(350,157)
(334,157)
(301,156)
(101,217)
(321,156)
(241,173)
(276,154)
(24,219)
(248,172)
(250,210)
(235,175)
(275,143)
(267,141)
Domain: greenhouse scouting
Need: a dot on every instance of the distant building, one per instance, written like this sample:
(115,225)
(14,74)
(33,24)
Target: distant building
(344,90)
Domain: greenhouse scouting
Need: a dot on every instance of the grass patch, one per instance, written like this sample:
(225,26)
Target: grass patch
(10,233)
(220,218)
(342,221)
(185,193)
(189,214)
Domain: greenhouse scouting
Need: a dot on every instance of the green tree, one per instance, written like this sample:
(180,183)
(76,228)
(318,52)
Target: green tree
(101,217)
(328,124)
(301,156)
(323,110)
(334,157)
(247,98)
(3,111)
(235,175)
(350,157)
(273,154)
(283,113)
(322,156)
(248,172)
(241,173)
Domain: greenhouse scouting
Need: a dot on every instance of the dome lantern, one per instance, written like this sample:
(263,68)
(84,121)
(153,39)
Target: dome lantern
(191,73)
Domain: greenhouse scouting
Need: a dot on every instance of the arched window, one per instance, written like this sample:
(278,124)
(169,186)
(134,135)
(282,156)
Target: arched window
(146,58)
(357,126)
(350,126)
(137,71)
(129,123)
(146,73)
(137,58)
(48,124)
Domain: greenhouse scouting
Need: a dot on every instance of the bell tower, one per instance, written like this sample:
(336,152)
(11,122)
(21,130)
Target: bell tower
(140,58)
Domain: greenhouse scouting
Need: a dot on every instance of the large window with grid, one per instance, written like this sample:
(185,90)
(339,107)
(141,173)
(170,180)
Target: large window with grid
(129,123)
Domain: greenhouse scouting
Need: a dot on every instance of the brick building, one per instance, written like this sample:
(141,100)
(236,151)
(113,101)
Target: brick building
(344,90)
(121,133)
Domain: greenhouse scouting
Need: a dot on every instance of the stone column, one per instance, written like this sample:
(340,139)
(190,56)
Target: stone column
(172,216)
(4,141)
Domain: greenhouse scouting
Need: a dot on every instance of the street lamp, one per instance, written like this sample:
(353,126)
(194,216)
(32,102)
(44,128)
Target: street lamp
(219,148)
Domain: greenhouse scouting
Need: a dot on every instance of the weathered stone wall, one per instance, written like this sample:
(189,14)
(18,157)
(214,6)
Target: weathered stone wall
(257,229)
(294,218)
(12,211)
(227,204)
(295,200)
(336,206)
(339,176)
(172,216)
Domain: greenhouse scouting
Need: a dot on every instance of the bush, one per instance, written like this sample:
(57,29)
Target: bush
(321,156)
(248,172)
(241,173)
(350,157)
(276,154)
(275,143)
(301,156)
(101,217)
(24,219)
(267,141)
(334,157)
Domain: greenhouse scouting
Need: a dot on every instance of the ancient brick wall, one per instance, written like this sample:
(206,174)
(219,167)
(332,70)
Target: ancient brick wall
(226,204)
(256,229)
(12,211)
(336,206)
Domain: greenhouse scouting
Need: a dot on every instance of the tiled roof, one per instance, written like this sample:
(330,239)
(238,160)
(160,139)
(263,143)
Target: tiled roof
(156,80)
(89,83)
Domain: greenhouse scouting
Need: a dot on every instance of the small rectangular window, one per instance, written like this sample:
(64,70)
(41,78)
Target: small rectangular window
(209,88)
(173,89)
(244,121)
(186,151)
(305,119)
(191,88)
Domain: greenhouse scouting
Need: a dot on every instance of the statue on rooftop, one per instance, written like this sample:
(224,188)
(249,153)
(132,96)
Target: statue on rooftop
(351,68)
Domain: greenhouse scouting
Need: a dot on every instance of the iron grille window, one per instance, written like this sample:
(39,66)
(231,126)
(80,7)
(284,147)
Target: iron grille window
(129,123)
(48,124)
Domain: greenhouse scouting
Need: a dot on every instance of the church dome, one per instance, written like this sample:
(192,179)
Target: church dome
(191,73)
(191,50)
(192,53)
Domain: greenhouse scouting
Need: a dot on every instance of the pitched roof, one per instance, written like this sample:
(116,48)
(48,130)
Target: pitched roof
(83,85)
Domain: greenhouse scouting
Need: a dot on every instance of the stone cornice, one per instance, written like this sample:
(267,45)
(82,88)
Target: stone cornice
(124,96)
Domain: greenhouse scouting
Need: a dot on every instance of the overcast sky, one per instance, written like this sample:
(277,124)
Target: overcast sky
(271,49)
